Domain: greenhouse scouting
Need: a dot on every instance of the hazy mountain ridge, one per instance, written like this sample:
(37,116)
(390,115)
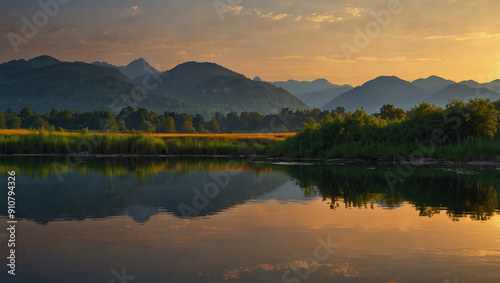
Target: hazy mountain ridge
(43,83)
(301,87)
(403,94)
(375,93)
(76,86)
(314,93)
(216,86)
(318,99)
(432,84)
(462,92)
(134,69)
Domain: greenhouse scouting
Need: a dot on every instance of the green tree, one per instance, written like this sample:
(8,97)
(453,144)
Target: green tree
(3,122)
(482,119)
(147,127)
(40,123)
(121,125)
(213,126)
(187,127)
(12,121)
(391,112)
(167,125)
(25,113)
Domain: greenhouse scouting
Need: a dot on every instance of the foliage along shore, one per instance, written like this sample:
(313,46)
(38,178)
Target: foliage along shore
(459,132)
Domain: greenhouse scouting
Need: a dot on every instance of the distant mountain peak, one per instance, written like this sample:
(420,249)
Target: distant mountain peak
(43,58)
(321,80)
(377,92)
(434,77)
(432,84)
(384,80)
(257,79)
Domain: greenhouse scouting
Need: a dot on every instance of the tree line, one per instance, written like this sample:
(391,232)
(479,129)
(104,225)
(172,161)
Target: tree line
(394,131)
(477,117)
(141,119)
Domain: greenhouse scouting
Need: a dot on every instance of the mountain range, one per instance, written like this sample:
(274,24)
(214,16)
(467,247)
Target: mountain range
(315,93)
(373,94)
(134,69)
(43,83)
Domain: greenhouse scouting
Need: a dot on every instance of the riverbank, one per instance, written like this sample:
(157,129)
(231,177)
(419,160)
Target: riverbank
(276,160)
(262,146)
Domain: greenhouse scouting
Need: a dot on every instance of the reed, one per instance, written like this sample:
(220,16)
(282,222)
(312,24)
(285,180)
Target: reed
(43,142)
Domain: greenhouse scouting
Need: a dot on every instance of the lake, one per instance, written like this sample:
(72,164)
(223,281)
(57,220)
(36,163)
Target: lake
(224,220)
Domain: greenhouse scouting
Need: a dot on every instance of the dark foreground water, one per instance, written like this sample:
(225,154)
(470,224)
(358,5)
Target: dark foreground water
(219,220)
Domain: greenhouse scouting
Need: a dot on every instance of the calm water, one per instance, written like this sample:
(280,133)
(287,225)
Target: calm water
(219,220)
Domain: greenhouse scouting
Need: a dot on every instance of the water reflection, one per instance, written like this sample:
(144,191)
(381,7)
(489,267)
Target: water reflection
(154,217)
(429,189)
(143,187)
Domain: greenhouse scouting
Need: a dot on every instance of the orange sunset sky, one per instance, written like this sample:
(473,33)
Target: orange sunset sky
(275,40)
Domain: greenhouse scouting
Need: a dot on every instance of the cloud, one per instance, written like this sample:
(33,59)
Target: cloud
(467,36)
(237,10)
(319,18)
(395,59)
(135,10)
(274,17)
(181,52)
(356,12)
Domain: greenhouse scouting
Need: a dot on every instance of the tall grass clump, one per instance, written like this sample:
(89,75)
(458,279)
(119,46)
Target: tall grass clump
(44,142)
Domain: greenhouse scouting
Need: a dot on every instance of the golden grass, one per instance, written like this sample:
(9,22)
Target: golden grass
(12,132)
(233,137)
(246,136)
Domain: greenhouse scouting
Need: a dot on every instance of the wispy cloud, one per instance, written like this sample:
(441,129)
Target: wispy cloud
(356,12)
(466,36)
(274,17)
(394,59)
(313,17)
(323,18)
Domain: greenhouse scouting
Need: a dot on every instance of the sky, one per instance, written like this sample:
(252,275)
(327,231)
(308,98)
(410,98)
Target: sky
(345,42)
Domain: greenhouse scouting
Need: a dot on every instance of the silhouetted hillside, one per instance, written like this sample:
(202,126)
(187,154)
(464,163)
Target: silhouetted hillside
(374,94)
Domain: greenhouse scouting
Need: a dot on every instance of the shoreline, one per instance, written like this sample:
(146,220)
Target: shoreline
(338,161)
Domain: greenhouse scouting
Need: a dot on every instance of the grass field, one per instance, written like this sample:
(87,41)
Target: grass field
(44,142)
